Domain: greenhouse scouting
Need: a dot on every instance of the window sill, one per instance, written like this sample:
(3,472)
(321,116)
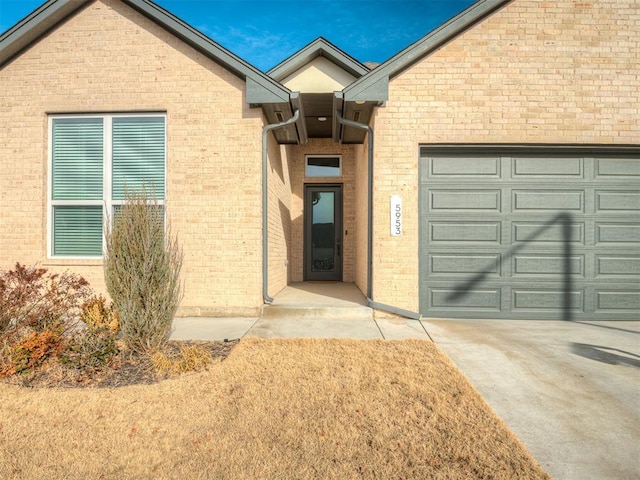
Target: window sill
(73,262)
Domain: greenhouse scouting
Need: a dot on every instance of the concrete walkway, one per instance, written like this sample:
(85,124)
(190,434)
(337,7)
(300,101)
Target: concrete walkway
(569,390)
(305,310)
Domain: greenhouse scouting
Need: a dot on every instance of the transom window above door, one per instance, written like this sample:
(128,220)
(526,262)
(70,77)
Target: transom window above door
(94,159)
(323,166)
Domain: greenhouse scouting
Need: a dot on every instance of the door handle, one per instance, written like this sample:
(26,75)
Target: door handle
(338,248)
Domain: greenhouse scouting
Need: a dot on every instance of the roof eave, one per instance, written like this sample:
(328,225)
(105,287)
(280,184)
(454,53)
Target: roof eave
(319,47)
(34,25)
(263,88)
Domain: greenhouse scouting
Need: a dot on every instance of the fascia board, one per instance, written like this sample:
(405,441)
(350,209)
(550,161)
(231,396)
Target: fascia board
(423,47)
(46,17)
(319,47)
(34,25)
(221,55)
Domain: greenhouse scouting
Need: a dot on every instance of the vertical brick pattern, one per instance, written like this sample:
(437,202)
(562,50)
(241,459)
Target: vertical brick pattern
(296,155)
(279,229)
(108,58)
(361,204)
(563,72)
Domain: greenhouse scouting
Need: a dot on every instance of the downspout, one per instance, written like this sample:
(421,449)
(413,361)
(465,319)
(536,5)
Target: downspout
(370,302)
(265,202)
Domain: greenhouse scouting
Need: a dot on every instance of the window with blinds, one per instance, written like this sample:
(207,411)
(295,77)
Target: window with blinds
(94,161)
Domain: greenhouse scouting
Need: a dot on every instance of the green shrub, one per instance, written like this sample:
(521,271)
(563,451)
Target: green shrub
(142,271)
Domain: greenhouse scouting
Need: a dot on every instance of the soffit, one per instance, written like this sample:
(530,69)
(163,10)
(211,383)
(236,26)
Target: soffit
(317,71)
(320,75)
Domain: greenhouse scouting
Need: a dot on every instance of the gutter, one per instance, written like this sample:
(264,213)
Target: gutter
(370,302)
(265,202)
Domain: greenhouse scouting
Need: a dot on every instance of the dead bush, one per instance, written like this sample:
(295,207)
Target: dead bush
(31,351)
(31,297)
(191,358)
(98,315)
(90,348)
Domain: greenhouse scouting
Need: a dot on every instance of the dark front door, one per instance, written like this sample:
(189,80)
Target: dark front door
(323,232)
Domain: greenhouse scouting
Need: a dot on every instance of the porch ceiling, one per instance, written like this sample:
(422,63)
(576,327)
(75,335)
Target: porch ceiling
(314,107)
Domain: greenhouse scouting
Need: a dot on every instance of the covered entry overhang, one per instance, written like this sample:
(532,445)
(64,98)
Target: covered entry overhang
(315,77)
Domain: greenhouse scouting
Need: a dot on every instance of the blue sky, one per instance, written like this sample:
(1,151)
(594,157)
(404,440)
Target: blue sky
(266,32)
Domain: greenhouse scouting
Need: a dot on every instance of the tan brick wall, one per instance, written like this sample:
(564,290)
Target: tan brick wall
(361,204)
(296,155)
(534,72)
(110,58)
(279,230)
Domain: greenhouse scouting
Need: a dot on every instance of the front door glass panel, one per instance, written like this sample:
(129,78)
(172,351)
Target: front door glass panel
(323,232)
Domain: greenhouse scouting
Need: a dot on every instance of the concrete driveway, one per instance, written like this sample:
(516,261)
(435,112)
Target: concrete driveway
(569,390)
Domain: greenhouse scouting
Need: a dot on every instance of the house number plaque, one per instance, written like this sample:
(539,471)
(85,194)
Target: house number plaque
(396,215)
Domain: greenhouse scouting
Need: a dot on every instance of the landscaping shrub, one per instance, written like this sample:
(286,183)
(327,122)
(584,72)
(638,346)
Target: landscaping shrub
(191,358)
(31,297)
(38,310)
(31,351)
(142,268)
(90,348)
(97,315)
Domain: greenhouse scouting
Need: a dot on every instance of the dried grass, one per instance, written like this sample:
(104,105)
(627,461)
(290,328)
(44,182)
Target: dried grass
(311,409)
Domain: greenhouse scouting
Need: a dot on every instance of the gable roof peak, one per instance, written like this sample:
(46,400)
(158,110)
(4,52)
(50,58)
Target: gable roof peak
(320,47)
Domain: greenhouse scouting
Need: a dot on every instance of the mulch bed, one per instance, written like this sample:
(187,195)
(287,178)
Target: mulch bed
(127,368)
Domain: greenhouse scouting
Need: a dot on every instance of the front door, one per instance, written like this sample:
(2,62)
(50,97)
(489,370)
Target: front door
(323,232)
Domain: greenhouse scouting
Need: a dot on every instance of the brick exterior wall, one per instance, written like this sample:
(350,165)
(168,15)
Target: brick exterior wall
(561,72)
(108,58)
(362,208)
(279,231)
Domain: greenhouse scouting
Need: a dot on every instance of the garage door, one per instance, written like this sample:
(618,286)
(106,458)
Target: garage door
(546,234)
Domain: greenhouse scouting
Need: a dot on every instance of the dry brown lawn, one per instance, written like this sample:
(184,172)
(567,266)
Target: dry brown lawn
(274,409)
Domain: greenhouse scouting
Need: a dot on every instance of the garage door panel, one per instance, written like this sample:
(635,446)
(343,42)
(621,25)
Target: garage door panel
(548,232)
(463,263)
(530,236)
(617,266)
(448,298)
(549,265)
(618,201)
(616,169)
(617,300)
(464,200)
(443,167)
(545,200)
(617,233)
(547,168)
(553,300)
(464,231)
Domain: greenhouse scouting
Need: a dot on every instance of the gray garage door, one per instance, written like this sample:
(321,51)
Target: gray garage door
(546,234)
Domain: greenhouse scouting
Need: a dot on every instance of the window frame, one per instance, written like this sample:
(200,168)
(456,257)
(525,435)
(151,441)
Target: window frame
(107,202)
(306,166)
